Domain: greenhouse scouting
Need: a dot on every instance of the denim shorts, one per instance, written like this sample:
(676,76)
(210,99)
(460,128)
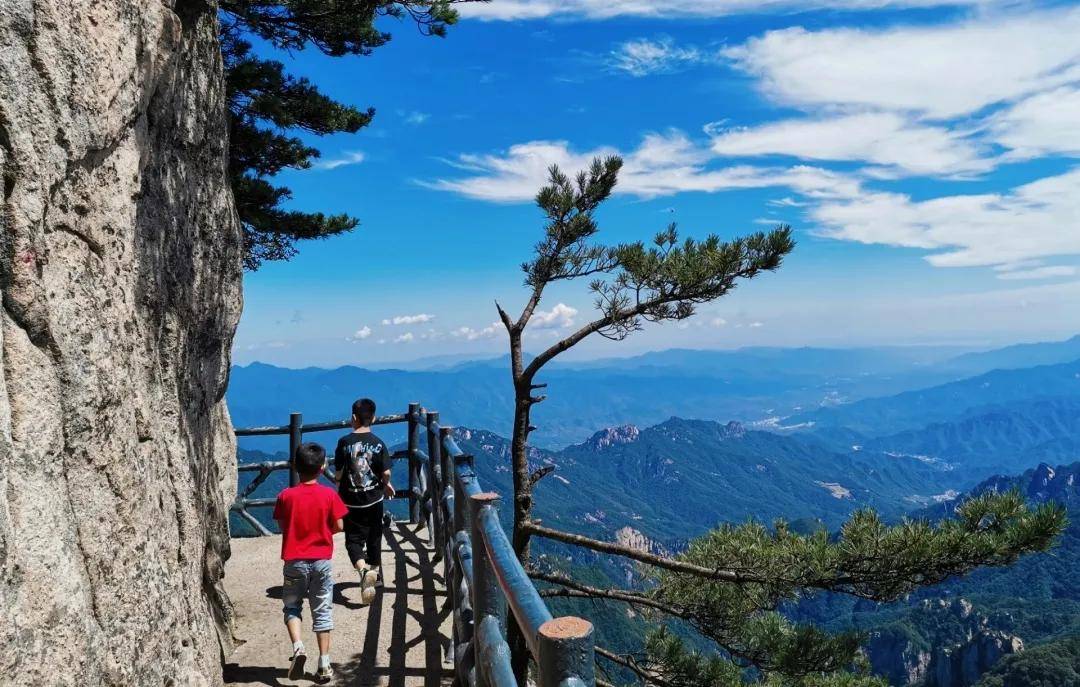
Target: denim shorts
(314,580)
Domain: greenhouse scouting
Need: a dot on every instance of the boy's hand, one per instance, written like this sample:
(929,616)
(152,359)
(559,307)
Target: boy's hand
(388,489)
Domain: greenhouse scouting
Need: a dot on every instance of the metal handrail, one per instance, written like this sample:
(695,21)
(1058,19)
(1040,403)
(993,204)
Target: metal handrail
(486,584)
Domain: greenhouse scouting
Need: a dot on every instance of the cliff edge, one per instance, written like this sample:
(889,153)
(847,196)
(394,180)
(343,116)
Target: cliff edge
(121,284)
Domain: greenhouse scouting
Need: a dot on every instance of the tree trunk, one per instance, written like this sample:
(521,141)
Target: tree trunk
(519,456)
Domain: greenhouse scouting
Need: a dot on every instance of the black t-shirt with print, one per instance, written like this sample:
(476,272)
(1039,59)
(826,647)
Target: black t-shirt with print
(360,460)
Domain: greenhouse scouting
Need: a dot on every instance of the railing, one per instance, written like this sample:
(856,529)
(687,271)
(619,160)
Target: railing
(486,585)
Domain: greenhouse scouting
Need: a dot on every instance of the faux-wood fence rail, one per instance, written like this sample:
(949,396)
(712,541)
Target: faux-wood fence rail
(486,585)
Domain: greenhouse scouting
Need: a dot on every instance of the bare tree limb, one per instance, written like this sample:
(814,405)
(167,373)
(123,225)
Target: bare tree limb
(578,590)
(631,664)
(539,474)
(642,556)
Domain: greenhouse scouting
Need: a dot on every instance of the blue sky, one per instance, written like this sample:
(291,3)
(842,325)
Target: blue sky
(926,154)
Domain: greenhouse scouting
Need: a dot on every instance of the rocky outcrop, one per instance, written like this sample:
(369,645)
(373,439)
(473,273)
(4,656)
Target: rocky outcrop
(959,649)
(897,658)
(613,436)
(121,291)
(963,665)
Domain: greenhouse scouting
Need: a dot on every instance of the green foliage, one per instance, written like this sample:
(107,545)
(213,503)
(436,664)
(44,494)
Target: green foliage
(662,282)
(868,559)
(266,104)
(1056,664)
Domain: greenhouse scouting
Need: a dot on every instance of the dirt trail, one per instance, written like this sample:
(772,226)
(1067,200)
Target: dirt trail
(398,641)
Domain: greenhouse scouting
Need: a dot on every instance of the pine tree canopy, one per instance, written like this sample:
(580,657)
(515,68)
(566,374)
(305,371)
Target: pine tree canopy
(758,569)
(266,104)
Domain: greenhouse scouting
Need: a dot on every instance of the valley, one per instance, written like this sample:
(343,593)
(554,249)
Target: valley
(762,435)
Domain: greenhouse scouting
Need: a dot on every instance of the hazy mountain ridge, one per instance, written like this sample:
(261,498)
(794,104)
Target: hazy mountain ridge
(912,410)
(1002,438)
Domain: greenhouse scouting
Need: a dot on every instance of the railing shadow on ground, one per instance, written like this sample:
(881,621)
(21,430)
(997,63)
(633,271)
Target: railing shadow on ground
(375,663)
(391,668)
(486,584)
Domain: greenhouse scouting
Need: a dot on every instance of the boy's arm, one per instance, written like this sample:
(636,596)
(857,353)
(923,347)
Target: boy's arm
(340,510)
(279,513)
(339,461)
(387,463)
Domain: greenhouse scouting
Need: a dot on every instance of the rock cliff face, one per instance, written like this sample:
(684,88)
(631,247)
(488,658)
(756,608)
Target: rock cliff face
(120,274)
(966,647)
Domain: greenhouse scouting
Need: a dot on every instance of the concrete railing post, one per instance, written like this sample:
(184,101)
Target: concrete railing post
(567,655)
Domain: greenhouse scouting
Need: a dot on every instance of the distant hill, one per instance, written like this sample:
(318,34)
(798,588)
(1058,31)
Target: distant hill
(744,385)
(1020,355)
(949,402)
(677,479)
(1004,438)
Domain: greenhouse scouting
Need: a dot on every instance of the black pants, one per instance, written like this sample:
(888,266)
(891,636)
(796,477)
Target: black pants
(363,535)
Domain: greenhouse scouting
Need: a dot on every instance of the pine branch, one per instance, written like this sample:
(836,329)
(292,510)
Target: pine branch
(573,589)
(641,556)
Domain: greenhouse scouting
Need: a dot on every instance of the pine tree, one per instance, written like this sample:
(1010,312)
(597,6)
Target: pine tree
(730,584)
(266,104)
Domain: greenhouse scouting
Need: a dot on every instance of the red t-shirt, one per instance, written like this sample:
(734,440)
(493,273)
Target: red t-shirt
(306,514)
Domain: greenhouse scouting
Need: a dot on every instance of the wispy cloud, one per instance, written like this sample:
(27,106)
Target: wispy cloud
(352,157)
(416,118)
(1047,272)
(562,315)
(361,334)
(1032,221)
(470,334)
(507,10)
(890,140)
(643,56)
(662,165)
(939,71)
(407,337)
(418,318)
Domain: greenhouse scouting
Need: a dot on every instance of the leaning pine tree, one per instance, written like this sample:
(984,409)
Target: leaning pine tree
(728,584)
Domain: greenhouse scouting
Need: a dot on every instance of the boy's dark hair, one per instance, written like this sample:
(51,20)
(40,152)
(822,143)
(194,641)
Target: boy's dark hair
(310,459)
(363,409)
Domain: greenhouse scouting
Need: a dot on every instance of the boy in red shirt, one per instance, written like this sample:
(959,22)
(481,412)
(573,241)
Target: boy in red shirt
(309,514)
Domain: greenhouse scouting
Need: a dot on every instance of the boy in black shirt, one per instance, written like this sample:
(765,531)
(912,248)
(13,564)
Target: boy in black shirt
(362,469)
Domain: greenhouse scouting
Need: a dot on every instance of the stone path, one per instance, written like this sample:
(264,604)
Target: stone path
(398,641)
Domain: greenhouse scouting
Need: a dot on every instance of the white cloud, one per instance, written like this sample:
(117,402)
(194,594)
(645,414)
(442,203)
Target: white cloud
(351,157)
(642,56)
(940,71)
(470,334)
(879,138)
(1038,220)
(1044,124)
(416,118)
(1047,272)
(662,165)
(562,315)
(362,333)
(419,318)
(404,338)
(718,322)
(506,10)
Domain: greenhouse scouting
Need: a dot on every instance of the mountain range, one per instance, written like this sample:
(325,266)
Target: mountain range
(778,385)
